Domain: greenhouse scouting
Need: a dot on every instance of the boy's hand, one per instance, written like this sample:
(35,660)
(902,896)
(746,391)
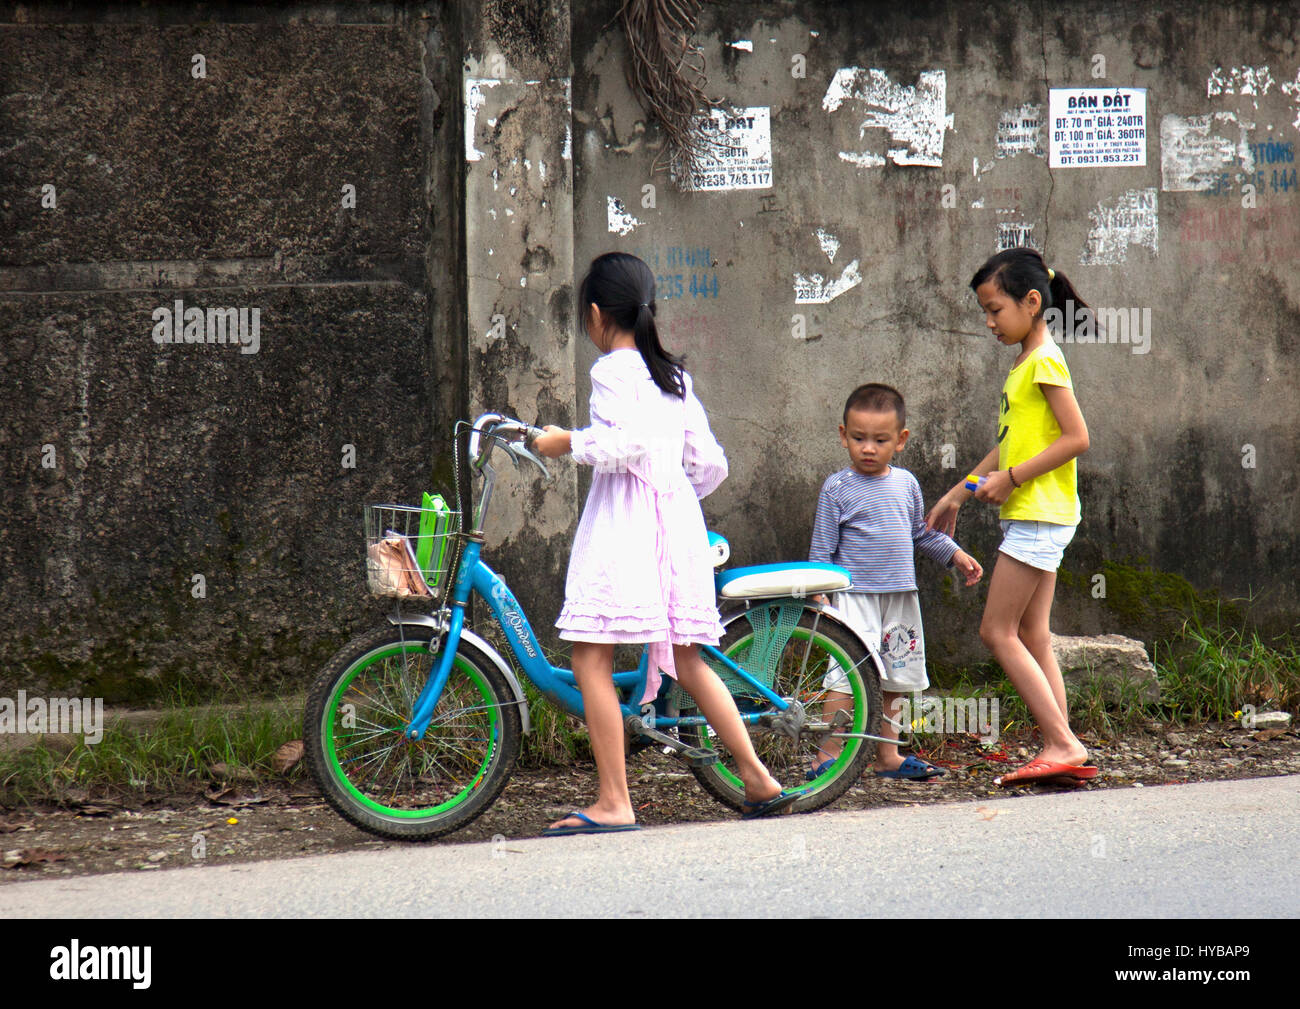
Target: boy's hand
(996,488)
(552,442)
(968,566)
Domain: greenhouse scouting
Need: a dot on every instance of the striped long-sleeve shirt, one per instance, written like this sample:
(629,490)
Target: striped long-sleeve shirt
(871,525)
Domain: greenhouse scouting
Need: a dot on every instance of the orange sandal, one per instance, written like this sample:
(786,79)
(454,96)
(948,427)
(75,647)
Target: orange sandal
(1043,770)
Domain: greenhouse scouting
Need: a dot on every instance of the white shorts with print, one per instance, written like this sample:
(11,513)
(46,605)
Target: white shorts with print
(891,622)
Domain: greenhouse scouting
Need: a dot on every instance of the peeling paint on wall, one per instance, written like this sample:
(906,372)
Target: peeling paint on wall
(819,290)
(1133,220)
(744,45)
(1196,150)
(620,221)
(915,117)
(829,243)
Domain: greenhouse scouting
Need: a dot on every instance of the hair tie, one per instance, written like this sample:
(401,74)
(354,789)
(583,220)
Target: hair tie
(1051,274)
(645,304)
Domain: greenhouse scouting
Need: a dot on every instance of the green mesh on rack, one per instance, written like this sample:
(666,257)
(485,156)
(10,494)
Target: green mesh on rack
(772,625)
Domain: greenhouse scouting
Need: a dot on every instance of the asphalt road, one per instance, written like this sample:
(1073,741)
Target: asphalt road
(1216,849)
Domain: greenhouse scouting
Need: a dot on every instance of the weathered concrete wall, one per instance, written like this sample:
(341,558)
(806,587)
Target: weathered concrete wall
(480,197)
(1171,428)
(130,467)
(519,262)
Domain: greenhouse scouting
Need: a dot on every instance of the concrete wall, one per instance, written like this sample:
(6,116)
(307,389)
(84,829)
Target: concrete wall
(129,467)
(486,140)
(519,262)
(1164,486)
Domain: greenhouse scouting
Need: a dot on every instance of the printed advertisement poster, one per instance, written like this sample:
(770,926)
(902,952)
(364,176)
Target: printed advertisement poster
(1098,127)
(742,158)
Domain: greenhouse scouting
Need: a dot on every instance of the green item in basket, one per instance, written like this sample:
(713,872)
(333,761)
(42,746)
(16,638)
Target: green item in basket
(435,517)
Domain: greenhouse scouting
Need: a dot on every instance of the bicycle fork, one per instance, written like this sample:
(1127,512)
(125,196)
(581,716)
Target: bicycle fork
(422,711)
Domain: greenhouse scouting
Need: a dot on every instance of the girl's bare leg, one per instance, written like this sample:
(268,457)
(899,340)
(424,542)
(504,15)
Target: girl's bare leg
(718,706)
(1013,585)
(1036,634)
(593,669)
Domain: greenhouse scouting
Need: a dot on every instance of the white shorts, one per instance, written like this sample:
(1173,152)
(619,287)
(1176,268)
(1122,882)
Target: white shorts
(891,622)
(1039,544)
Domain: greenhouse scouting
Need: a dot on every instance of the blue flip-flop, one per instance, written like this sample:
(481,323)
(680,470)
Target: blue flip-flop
(590,826)
(772,806)
(913,769)
(819,770)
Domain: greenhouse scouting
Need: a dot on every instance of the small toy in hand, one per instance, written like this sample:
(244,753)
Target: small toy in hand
(974,483)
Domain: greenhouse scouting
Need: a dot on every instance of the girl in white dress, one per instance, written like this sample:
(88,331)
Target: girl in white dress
(640,571)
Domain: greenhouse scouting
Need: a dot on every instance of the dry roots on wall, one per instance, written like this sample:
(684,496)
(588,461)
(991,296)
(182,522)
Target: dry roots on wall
(667,75)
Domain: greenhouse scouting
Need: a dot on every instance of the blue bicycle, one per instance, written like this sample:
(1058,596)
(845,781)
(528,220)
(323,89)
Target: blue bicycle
(412,729)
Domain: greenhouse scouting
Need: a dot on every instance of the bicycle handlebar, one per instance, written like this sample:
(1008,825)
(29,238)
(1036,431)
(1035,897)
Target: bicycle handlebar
(491,429)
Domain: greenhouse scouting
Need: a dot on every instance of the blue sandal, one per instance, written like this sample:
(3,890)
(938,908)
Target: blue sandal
(590,826)
(819,770)
(772,806)
(913,769)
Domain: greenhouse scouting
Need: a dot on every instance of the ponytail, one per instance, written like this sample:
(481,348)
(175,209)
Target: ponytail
(1019,271)
(623,287)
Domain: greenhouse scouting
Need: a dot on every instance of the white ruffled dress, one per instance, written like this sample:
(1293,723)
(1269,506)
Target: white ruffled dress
(641,569)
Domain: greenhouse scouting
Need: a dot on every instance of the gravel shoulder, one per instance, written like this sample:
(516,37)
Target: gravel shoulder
(245,823)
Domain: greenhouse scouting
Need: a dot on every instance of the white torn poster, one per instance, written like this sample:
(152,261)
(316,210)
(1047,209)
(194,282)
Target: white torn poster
(914,117)
(620,221)
(819,290)
(1097,127)
(741,152)
(1015,235)
(1254,81)
(474,100)
(1133,220)
(829,243)
(1196,151)
(1020,131)
(1292,89)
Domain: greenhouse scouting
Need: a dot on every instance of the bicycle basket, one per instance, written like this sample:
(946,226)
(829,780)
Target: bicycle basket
(407,548)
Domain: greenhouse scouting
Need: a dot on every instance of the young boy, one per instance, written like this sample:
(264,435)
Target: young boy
(869,519)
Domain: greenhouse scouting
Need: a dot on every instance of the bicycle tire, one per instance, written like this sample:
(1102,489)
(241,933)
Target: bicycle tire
(409,789)
(797,672)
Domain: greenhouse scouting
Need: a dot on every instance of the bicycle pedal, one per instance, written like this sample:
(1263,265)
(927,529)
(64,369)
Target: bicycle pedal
(696,756)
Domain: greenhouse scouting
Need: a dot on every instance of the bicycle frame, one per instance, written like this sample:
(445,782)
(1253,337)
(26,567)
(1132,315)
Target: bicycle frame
(472,575)
(556,683)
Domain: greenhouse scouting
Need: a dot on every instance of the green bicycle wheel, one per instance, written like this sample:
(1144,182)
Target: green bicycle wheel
(409,789)
(791,647)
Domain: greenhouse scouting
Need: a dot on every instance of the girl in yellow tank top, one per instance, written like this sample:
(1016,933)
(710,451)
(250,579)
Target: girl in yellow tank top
(1031,473)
